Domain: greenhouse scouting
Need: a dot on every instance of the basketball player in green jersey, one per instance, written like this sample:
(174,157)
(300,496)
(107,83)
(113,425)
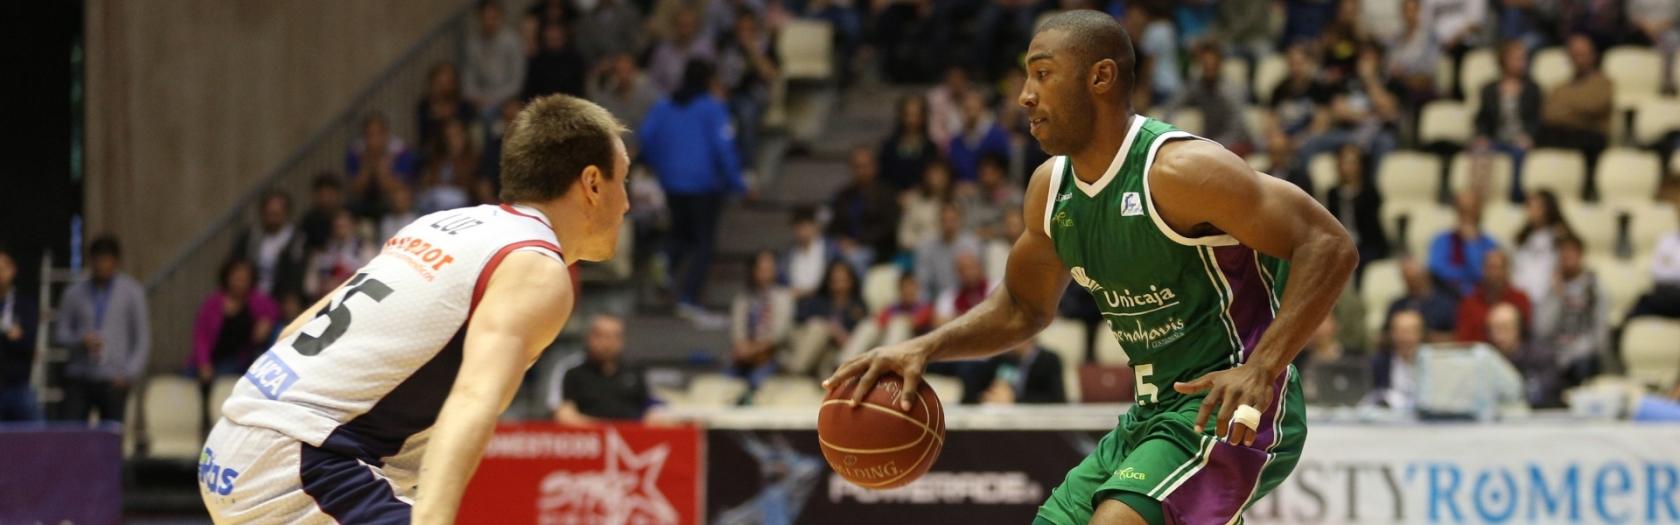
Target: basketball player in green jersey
(1183,247)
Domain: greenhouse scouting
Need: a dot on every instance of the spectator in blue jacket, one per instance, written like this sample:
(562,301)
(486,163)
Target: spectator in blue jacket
(1456,255)
(17,346)
(689,143)
(980,136)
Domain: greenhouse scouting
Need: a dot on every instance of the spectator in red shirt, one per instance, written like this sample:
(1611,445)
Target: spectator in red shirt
(910,305)
(1494,289)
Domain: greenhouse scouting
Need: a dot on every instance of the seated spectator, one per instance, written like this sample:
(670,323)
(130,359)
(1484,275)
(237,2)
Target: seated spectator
(624,91)
(684,44)
(338,259)
(1284,163)
(865,214)
(970,290)
(17,346)
(1524,20)
(1572,319)
(273,245)
(1300,101)
(826,321)
(1304,20)
(612,28)
(495,61)
(1508,335)
(808,258)
(103,321)
(232,324)
(1356,204)
(747,64)
(399,214)
(979,136)
(556,67)
(443,101)
(945,111)
(1577,113)
(377,162)
(326,201)
(1343,39)
(1221,101)
(451,178)
(761,320)
(935,262)
(1439,310)
(1654,20)
(603,387)
(1325,347)
(1455,256)
(913,41)
(922,204)
(1534,260)
(1509,116)
(490,163)
(910,306)
(1157,49)
(1026,375)
(1394,372)
(1413,55)
(1456,24)
(908,151)
(1495,288)
(1248,27)
(984,204)
(1664,297)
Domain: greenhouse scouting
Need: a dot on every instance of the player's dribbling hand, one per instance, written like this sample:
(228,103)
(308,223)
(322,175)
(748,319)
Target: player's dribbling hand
(1229,389)
(905,359)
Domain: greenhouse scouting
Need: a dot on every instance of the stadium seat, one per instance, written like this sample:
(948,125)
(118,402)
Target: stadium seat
(1626,174)
(996,260)
(1409,176)
(1109,351)
(1498,183)
(880,286)
(1594,224)
(1653,118)
(1254,118)
(1502,220)
(1260,162)
(219,392)
(1066,337)
(1444,74)
(1622,281)
(1480,66)
(172,406)
(806,49)
(1272,70)
(1550,68)
(1380,286)
(788,391)
(1649,352)
(1423,221)
(1188,119)
(715,390)
(949,389)
(1235,71)
(1635,72)
(1321,169)
(1561,170)
(1445,121)
(1647,222)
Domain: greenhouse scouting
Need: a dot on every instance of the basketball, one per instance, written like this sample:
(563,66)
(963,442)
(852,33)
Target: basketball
(876,445)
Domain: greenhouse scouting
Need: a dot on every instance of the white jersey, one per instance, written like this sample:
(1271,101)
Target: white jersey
(367,376)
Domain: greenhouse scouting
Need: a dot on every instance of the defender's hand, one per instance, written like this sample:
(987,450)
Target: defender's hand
(907,359)
(1229,389)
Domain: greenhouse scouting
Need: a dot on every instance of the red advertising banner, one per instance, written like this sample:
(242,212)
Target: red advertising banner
(548,474)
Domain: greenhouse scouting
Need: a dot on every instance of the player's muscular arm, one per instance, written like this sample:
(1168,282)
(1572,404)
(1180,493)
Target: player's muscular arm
(527,301)
(1200,188)
(1025,303)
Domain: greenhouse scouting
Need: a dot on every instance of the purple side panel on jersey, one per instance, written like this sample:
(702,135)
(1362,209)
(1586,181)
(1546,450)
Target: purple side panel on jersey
(1251,306)
(1219,490)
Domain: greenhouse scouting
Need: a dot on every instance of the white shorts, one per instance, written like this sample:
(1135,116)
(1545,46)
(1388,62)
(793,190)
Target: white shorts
(257,475)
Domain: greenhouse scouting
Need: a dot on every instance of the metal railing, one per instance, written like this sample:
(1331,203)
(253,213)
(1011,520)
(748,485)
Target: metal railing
(175,291)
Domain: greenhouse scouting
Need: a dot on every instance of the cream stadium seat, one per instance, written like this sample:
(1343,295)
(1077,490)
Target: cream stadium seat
(1188,119)
(1446,121)
(949,389)
(1423,221)
(1321,170)
(1254,118)
(172,407)
(1649,351)
(1654,118)
(1628,175)
(715,390)
(807,49)
(1498,183)
(1623,280)
(1564,171)
(1109,351)
(996,260)
(789,391)
(1648,221)
(1235,71)
(1380,286)
(1596,225)
(1260,162)
(880,286)
(1444,74)
(1480,66)
(1635,72)
(1502,220)
(1409,176)
(220,390)
(1272,70)
(1550,68)
(1066,337)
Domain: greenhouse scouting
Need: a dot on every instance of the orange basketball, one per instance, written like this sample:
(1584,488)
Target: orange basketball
(875,444)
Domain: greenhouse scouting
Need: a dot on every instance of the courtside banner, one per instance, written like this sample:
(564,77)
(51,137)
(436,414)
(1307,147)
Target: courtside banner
(778,477)
(543,473)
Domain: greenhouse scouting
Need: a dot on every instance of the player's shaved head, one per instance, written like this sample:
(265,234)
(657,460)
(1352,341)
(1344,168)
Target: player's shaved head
(1090,37)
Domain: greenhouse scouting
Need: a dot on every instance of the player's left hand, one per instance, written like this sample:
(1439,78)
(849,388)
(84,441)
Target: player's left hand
(1227,390)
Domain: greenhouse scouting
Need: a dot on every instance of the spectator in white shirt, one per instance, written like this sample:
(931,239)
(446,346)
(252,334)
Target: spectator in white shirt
(809,255)
(1664,297)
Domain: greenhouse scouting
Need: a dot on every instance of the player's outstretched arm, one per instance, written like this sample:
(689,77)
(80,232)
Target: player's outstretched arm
(527,301)
(1199,188)
(1026,302)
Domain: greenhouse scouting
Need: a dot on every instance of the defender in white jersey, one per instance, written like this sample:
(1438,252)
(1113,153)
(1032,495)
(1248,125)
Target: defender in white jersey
(375,405)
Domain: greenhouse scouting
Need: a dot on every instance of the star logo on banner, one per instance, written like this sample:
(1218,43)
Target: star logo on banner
(624,492)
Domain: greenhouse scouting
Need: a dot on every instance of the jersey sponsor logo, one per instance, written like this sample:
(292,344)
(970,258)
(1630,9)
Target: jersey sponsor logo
(625,491)
(1153,335)
(1061,219)
(271,376)
(1064,197)
(419,253)
(1131,473)
(1131,204)
(1084,280)
(215,478)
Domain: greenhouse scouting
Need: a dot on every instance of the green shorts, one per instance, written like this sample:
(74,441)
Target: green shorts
(1196,478)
